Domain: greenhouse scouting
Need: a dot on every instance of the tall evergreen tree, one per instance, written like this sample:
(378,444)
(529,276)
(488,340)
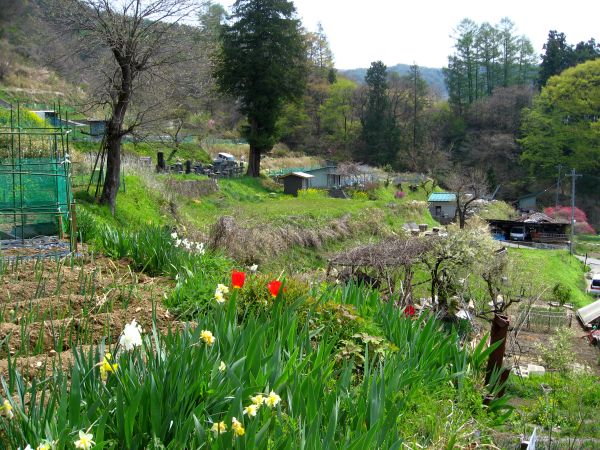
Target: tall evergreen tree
(558,56)
(263,64)
(380,136)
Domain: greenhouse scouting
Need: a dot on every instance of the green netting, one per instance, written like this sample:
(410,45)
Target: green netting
(34,192)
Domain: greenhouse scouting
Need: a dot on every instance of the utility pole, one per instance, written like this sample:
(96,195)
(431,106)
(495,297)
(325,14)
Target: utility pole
(559,167)
(573,176)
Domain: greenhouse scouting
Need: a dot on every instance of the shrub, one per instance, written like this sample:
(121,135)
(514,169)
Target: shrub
(400,194)
(561,293)
(359,195)
(558,352)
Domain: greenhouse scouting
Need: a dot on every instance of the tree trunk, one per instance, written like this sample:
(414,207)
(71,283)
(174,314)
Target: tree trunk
(254,162)
(499,332)
(112,179)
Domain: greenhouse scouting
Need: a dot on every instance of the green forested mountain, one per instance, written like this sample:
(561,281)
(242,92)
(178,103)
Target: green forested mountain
(432,75)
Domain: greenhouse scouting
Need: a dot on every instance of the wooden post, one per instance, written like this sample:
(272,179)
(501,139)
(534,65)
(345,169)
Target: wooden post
(73,231)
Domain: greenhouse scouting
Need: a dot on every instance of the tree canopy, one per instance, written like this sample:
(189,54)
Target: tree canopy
(563,125)
(263,64)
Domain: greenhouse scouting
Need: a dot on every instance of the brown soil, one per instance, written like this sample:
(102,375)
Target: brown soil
(47,307)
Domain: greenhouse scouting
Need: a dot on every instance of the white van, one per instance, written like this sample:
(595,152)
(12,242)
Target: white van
(518,233)
(595,284)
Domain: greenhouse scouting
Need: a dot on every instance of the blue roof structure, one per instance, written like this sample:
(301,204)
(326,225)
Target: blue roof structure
(442,197)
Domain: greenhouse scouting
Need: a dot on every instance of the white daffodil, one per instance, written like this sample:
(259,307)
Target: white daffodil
(174,235)
(132,336)
(222,367)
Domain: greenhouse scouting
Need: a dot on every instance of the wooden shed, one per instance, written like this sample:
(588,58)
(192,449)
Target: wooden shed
(296,181)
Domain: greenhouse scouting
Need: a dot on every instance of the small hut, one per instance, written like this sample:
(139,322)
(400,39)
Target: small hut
(296,181)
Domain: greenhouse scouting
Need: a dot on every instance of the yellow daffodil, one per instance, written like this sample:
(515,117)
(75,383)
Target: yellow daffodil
(272,400)
(251,410)
(218,428)
(207,337)
(106,367)
(237,427)
(258,399)
(222,367)
(85,441)
(45,445)
(7,409)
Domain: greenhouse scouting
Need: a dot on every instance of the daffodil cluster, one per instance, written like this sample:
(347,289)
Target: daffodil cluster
(271,401)
(221,427)
(220,293)
(197,247)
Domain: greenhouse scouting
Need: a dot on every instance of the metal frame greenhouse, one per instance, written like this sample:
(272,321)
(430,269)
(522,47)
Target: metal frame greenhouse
(36,201)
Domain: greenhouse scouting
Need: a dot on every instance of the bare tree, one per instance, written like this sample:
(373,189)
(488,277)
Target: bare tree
(135,41)
(469,185)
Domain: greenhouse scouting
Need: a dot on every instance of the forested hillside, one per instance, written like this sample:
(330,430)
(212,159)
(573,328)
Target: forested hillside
(434,77)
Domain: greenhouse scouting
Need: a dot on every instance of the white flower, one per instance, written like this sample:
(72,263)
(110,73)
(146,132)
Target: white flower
(251,410)
(222,366)
(200,248)
(85,441)
(224,289)
(174,235)
(253,267)
(132,336)
(26,448)
(177,242)
(187,244)
(218,428)
(219,297)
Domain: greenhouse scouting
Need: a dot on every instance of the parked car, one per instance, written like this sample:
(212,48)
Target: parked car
(222,157)
(518,233)
(595,284)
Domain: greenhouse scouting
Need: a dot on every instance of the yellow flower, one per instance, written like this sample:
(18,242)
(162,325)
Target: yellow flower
(45,445)
(106,367)
(7,409)
(237,427)
(272,400)
(222,367)
(85,441)
(207,337)
(258,399)
(251,410)
(218,428)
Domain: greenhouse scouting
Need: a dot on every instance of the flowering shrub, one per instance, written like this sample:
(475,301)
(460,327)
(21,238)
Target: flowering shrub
(312,193)
(564,213)
(400,194)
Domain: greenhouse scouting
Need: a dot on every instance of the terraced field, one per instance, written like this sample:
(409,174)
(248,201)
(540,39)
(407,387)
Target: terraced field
(48,306)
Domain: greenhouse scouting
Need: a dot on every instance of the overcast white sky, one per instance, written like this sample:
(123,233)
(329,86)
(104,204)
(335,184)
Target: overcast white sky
(400,31)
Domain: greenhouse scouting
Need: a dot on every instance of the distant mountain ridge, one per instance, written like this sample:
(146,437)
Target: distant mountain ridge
(432,75)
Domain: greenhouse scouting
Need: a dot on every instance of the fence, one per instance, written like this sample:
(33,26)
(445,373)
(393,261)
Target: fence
(543,321)
(35,185)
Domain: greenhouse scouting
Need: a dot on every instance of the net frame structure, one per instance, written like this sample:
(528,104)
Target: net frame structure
(37,210)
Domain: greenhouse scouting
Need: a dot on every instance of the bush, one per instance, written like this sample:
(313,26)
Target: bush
(312,193)
(561,293)
(558,352)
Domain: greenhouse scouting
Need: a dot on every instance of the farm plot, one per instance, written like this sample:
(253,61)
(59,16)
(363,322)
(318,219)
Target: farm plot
(49,306)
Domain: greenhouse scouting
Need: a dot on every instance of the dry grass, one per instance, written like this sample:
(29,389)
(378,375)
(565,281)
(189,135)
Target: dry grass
(254,244)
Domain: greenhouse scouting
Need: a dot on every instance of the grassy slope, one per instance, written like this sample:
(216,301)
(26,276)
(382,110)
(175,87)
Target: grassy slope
(548,267)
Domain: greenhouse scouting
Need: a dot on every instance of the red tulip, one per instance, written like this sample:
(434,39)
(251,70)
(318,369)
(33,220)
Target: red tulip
(409,311)
(238,279)
(274,287)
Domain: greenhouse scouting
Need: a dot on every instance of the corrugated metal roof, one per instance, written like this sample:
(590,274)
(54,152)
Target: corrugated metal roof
(589,313)
(298,174)
(442,197)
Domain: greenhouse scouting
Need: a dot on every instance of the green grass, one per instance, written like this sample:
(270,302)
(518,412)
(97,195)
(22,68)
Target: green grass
(588,244)
(546,268)
(136,206)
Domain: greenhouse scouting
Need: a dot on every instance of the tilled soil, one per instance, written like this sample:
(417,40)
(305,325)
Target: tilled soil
(49,306)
